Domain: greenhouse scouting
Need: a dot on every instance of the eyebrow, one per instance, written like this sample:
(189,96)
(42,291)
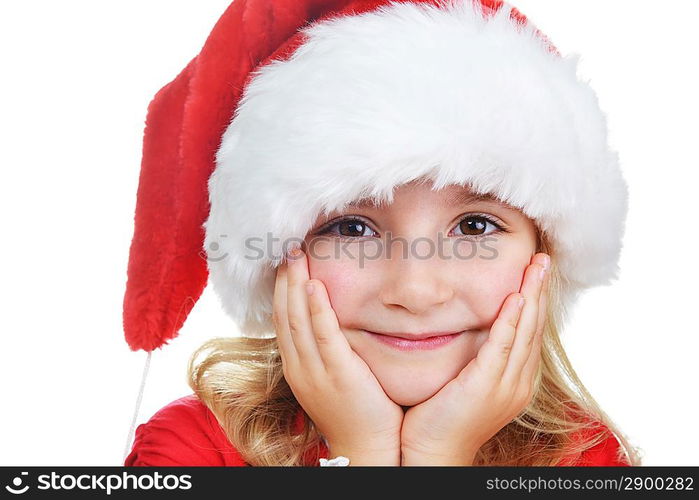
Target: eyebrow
(469,197)
(458,198)
(364,203)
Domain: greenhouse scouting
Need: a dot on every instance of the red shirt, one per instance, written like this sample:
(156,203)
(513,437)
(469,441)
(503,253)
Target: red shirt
(186,433)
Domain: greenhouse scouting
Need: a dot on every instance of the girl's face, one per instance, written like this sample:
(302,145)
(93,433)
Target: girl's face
(431,262)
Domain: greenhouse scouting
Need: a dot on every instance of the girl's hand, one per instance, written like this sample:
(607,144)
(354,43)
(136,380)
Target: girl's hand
(450,427)
(330,381)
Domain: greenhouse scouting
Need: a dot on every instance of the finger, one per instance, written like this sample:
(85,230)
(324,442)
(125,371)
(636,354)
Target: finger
(298,313)
(532,364)
(492,356)
(332,343)
(526,328)
(544,299)
(287,351)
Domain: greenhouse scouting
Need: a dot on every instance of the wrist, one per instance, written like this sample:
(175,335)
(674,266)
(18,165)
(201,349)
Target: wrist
(365,457)
(422,458)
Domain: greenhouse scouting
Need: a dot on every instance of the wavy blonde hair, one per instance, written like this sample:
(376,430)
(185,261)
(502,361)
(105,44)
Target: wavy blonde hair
(240,380)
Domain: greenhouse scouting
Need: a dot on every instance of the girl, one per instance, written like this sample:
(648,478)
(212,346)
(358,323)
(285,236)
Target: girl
(405,201)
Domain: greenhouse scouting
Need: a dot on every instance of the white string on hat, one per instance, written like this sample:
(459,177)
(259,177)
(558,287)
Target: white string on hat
(132,429)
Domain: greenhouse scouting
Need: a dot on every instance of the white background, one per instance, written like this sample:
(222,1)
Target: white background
(77,77)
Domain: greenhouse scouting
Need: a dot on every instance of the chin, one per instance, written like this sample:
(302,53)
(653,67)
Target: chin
(410,389)
(408,379)
(410,397)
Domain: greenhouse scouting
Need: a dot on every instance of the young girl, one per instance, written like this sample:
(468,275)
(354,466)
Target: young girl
(406,199)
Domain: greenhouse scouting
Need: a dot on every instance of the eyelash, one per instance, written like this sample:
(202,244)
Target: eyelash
(499,227)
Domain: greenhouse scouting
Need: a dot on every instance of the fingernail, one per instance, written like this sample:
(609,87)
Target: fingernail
(295,252)
(542,272)
(309,288)
(546,261)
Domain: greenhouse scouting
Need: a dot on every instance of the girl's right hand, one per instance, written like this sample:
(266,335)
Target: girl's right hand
(332,383)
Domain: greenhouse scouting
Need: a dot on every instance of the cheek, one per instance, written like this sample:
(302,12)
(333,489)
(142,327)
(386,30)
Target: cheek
(345,282)
(489,285)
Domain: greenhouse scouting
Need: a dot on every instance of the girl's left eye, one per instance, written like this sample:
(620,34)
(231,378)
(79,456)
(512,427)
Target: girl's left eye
(476,225)
(347,228)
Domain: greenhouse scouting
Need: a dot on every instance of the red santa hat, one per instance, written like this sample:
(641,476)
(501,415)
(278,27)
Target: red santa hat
(294,107)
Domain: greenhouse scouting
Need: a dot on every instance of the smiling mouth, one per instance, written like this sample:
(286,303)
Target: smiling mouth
(412,342)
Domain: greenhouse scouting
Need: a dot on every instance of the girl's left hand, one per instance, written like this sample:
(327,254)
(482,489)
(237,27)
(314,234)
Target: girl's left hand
(450,427)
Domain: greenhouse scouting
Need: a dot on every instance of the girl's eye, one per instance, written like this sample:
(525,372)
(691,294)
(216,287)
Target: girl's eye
(348,228)
(472,225)
(477,225)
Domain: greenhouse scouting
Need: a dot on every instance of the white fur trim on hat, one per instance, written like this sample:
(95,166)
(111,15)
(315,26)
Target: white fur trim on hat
(375,100)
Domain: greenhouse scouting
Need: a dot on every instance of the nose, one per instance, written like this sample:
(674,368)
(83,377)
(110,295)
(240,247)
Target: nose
(415,284)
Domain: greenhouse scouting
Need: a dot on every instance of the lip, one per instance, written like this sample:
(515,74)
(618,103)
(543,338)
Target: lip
(425,341)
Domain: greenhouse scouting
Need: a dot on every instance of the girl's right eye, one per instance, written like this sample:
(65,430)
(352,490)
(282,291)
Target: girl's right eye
(348,227)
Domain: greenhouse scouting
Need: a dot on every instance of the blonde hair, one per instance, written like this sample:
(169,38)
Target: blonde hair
(240,380)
